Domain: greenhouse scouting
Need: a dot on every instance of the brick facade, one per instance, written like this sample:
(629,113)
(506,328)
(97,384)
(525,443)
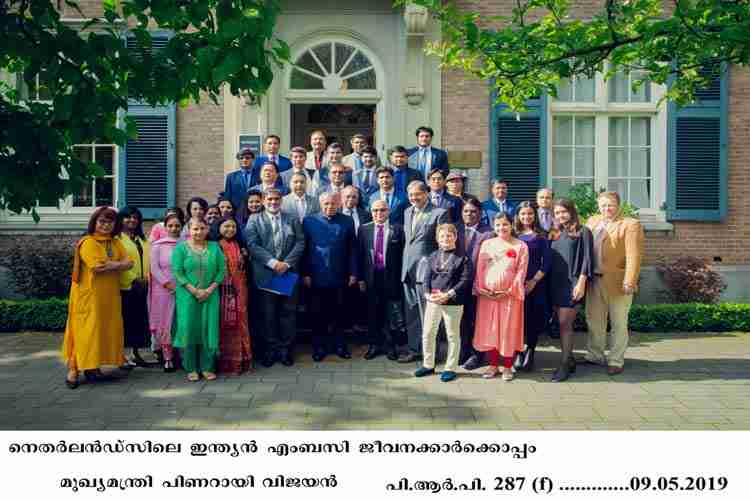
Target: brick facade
(466,113)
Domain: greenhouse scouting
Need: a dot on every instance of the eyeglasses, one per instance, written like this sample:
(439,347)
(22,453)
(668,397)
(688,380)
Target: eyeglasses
(379,209)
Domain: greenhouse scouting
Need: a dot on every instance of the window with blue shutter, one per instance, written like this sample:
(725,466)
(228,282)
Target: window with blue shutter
(697,154)
(518,148)
(147,164)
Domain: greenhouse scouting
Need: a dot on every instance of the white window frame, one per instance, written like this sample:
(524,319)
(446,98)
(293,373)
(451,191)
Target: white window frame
(602,110)
(115,160)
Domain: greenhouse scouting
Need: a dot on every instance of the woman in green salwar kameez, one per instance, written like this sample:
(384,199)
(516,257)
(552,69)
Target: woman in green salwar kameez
(198,269)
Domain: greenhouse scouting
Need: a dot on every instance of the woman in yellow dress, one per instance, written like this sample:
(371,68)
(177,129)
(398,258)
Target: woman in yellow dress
(94,333)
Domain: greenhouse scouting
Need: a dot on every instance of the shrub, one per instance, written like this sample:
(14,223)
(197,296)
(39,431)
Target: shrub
(40,265)
(40,315)
(584,197)
(690,279)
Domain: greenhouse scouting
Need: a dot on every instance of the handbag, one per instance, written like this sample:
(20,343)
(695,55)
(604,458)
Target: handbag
(230,314)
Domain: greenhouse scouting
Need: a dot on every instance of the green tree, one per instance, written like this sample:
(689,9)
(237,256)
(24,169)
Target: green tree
(682,42)
(87,77)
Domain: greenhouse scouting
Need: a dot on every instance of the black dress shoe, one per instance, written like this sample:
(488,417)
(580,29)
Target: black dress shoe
(392,354)
(527,363)
(373,352)
(474,362)
(409,358)
(268,360)
(287,359)
(319,355)
(561,374)
(343,353)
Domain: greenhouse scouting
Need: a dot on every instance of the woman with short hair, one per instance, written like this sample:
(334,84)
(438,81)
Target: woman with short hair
(94,328)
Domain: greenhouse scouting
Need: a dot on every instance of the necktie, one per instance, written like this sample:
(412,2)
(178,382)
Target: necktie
(468,238)
(276,234)
(423,159)
(436,199)
(301,208)
(379,243)
(246,178)
(546,223)
(357,161)
(367,178)
(415,222)
(388,199)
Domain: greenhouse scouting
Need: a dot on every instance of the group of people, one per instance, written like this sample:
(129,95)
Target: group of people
(398,246)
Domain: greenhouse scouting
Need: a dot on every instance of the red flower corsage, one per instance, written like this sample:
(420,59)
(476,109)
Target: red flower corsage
(511,254)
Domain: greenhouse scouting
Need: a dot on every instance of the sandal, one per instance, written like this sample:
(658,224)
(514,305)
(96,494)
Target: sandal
(72,384)
(491,372)
(193,377)
(169,366)
(209,375)
(507,375)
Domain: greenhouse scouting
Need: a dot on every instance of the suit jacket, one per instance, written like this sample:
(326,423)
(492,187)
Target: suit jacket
(286,180)
(551,219)
(453,204)
(483,232)
(490,210)
(349,161)
(410,175)
(259,237)
(235,188)
(399,203)
(330,256)
(364,217)
(458,275)
(359,181)
(394,249)
(622,251)
(289,205)
(279,185)
(439,160)
(283,163)
(421,240)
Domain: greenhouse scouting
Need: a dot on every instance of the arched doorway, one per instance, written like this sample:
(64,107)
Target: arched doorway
(335,85)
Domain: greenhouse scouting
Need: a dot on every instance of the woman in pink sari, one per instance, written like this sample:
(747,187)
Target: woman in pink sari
(161,298)
(501,288)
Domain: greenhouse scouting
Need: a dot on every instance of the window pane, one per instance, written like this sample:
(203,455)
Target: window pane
(584,162)
(584,131)
(307,62)
(640,162)
(563,131)
(562,162)
(343,52)
(618,87)
(105,156)
(618,162)
(84,198)
(359,62)
(640,130)
(643,94)
(584,89)
(564,92)
(104,191)
(621,186)
(561,187)
(302,80)
(618,131)
(323,52)
(362,81)
(640,193)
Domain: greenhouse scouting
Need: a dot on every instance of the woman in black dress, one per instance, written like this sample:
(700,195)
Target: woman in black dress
(572,266)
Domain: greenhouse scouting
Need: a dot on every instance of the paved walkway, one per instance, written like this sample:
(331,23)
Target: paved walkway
(672,381)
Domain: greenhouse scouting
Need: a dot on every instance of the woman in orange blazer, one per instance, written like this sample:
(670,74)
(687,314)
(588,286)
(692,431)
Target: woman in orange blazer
(618,248)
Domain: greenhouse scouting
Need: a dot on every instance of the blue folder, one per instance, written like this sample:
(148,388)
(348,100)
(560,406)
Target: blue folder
(281,284)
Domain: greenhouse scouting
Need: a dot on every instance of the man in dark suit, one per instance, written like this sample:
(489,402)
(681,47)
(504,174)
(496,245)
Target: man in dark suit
(298,203)
(397,202)
(239,182)
(276,244)
(471,234)
(272,146)
(380,248)
(329,266)
(546,217)
(441,198)
(420,223)
(403,175)
(269,179)
(498,203)
(354,299)
(425,158)
(365,178)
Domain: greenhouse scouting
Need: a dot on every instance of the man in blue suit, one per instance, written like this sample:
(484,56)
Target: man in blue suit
(441,198)
(239,182)
(426,158)
(403,174)
(397,202)
(329,266)
(272,146)
(498,203)
(366,179)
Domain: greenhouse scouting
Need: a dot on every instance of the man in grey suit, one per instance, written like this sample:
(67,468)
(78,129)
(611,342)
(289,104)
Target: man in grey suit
(298,203)
(421,220)
(298,156)
(276,243)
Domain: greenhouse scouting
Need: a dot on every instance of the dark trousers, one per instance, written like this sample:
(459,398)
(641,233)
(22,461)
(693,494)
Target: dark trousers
(279,320)
(135,317)
(325,307)
(414,305)
(355,307)
(379,311)
(468,323)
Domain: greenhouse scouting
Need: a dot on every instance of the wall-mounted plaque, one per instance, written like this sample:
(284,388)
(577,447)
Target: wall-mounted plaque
(465,159)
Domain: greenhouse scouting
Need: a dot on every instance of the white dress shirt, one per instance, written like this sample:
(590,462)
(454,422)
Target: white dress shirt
(352,212)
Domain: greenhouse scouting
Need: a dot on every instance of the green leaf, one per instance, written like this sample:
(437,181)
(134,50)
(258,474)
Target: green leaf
(229,65)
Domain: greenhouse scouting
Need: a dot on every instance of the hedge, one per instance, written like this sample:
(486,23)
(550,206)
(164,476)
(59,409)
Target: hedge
(50,315)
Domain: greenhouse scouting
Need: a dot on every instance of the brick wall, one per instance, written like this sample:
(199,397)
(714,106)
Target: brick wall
(466,125)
